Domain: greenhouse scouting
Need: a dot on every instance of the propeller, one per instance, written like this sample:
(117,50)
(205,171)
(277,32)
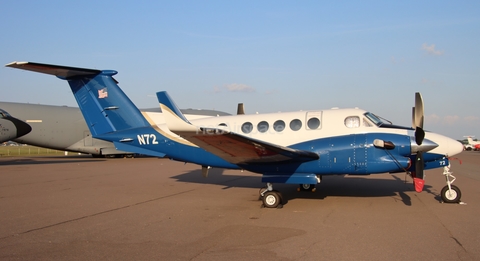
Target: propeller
(417,124)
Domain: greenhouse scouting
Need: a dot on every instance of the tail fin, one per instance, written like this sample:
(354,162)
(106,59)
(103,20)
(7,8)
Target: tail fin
(470,140)
(104,105)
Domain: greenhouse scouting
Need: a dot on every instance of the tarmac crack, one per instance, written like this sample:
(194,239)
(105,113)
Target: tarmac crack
(444,226)
(99,213)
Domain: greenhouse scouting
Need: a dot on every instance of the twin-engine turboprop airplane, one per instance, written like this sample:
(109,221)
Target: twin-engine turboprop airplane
(292,147)
(11,128)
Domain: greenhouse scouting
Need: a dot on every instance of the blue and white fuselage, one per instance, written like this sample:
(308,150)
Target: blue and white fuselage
(285,147)
(343,139)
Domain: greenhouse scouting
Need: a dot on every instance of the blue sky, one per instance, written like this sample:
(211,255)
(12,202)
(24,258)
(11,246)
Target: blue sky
(270,55)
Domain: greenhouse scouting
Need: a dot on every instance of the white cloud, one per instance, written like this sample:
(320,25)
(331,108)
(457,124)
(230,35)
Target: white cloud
(471,119)
(233,87)
(450,119)
(432,119)
(271,92)
(217,89)
(238,87)
(430,49)
(395,60)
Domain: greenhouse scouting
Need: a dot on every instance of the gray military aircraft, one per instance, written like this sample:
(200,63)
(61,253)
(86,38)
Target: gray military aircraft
(11,128)
(64,128)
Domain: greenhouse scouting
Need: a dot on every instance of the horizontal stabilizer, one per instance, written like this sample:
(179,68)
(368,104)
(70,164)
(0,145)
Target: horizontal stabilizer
(136,149)
(64,72)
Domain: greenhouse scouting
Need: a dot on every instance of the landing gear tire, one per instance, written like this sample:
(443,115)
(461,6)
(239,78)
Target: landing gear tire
(271,199)
(307,187)
(451,196)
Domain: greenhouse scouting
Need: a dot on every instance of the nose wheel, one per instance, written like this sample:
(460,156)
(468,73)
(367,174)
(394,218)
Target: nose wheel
(450,193)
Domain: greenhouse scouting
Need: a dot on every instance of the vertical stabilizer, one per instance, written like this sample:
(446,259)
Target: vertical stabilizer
(104,105)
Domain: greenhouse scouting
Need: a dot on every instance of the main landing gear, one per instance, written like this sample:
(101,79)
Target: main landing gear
(309,187)
(450,193)
(271,198)
(306,187)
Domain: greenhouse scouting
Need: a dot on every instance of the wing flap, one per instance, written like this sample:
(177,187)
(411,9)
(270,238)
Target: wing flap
(240,149)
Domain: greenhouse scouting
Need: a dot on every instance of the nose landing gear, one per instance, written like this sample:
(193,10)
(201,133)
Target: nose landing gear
(450,193)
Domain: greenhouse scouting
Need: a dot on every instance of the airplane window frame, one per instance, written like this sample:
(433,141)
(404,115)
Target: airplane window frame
(352,124)
(247,131)
(263,126)
(277,124)
(314,127)
(292,125)
(367,123)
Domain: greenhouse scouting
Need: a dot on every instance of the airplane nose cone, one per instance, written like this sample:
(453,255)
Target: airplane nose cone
(22,127)
(446,146)
(455,147)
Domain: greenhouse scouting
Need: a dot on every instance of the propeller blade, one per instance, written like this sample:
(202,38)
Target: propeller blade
(418,110)
(240,109)
(419,135)
(417,119)
(413,118)
(419,165)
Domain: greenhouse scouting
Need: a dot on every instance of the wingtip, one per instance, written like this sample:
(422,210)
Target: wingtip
(12,64)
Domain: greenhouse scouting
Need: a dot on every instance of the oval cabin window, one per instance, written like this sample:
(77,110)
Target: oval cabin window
(247,127)
(352,122)
(279,126)
(295,125)
(313,123)
(262,126)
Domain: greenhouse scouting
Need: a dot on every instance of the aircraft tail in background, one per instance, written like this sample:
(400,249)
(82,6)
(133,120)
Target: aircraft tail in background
(104,105)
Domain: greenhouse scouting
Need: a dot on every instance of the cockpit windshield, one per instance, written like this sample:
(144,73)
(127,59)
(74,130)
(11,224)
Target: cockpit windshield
(373,118)
(3,114)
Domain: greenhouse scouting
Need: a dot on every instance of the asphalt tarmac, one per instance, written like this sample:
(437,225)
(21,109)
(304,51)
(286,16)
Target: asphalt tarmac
(80,208)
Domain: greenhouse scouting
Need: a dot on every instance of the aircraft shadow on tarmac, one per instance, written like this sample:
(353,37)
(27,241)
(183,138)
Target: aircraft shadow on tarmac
(45,160)
(331,186)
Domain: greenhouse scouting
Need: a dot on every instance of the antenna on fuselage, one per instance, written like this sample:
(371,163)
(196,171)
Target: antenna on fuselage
(240,109)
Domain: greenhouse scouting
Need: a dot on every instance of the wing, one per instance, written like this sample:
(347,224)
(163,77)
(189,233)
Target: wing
(232,147)
(239,149)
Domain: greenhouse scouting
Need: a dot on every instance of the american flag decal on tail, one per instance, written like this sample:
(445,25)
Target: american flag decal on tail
(102,93)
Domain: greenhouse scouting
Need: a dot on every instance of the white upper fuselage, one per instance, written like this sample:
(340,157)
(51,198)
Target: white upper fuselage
(289,128)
